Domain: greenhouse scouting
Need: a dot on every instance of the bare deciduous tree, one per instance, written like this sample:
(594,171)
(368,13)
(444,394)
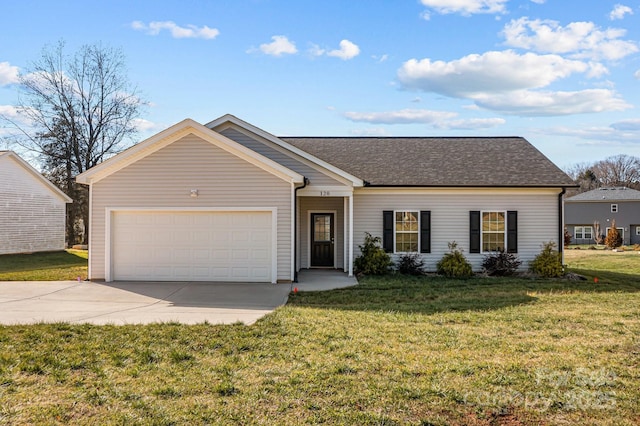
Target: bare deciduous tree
(597,233)
(79,110)
(618,170)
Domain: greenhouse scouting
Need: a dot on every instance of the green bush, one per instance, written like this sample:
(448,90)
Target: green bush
(548,263)
(410,264)
(373,260)
(501,264)
(454,264)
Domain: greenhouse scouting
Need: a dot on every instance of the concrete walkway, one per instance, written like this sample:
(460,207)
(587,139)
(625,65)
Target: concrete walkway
(137,302)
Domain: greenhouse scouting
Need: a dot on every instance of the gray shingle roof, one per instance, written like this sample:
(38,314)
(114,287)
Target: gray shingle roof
(607,194)
(437,161)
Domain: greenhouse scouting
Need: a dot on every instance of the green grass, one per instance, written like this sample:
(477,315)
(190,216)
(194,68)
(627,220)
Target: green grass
(391,351)
(49,266)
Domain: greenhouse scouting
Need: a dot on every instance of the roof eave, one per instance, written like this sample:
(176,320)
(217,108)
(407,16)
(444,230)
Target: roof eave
(173,133)
(355,181)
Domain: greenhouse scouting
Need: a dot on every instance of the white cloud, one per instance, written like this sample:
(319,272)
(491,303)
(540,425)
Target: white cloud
(539,1)
(543,103)
(190,31)
(279,46)
(316,50)
(9,111)
(348,50)
(619,10)
(579,39)
(378,131)
(632,125)
(438,119)
(8,73)
(380,58)
(491,72)
(405,116)
(471,123)
(465,7)
(637,75)
(509,83)
(143,125)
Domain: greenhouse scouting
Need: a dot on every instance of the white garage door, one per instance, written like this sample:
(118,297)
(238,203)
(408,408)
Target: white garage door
(191,246)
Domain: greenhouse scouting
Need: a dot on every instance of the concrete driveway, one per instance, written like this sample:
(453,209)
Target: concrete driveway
(137,302)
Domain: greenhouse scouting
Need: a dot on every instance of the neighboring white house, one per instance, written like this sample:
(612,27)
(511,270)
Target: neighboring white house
(228,201)
(32,209)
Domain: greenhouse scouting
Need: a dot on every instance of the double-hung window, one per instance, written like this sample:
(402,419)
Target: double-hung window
(583,232)
(494,236)
(407,231)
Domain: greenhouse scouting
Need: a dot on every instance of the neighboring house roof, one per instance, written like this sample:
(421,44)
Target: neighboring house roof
(607,194)
(36,174)
(437,161)
(174,133)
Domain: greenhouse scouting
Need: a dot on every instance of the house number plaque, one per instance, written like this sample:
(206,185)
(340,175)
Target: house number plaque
(324,193)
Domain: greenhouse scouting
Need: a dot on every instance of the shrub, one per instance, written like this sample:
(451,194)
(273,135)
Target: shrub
(410,264)
(567,237)
(373,260)
(454,264)
(501,264)
(548,263)
(614,239)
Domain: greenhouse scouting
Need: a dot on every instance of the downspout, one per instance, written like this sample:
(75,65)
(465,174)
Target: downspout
(295,229)
(561,222)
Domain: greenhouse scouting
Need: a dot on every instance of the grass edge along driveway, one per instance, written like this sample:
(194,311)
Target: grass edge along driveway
(393,350)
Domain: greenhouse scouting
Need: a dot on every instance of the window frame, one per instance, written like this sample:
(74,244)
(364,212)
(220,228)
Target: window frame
(582,233)
(415,212)
(620,231)
(504,232)
(614,208)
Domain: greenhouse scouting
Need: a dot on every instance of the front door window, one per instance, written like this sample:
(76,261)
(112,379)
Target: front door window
(322,239)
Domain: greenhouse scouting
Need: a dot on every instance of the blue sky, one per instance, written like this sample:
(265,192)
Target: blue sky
(565,74)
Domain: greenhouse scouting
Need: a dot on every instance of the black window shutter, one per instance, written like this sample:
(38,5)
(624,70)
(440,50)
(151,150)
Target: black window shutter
(425,231)
(512,232)
(387,231)
(474,231)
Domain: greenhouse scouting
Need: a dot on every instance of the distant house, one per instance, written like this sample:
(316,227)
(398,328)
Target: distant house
(32,209)
(228,201)
(603,205)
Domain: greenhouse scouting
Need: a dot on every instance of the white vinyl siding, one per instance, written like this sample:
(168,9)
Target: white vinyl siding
(164,179)
(269,150)
(32,216)
(537,216)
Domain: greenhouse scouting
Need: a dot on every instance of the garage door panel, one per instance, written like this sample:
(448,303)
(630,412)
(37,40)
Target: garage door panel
(202,246)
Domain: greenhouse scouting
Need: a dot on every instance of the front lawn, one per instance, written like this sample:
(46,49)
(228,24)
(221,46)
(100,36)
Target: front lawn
(49,266)
(391,351)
